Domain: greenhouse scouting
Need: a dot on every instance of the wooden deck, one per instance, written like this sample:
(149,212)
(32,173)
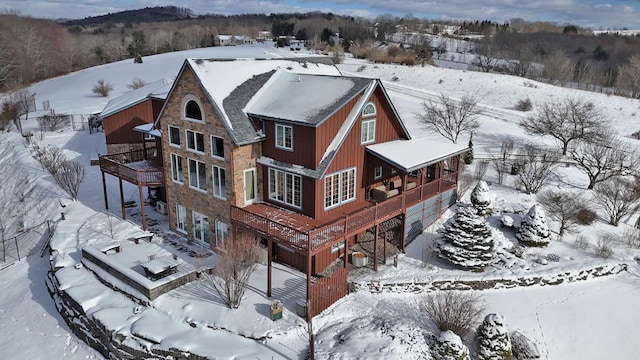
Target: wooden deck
(307,235)
(135,167)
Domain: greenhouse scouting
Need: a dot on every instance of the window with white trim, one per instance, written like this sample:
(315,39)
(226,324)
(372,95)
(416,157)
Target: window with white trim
(337,247)
(222,232)
(284,137)
(197,175)
(285,187)
(339,188)
(219,183)
(195,141)
(192,110)
(217,147)
(377,172)
(181,218)
(368,125)
(174,136)
(176,168)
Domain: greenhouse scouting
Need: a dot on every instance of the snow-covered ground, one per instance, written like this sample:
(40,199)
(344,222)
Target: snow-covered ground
(593,319)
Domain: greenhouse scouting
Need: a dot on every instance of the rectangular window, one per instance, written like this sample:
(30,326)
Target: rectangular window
(285,187)
(284,137)
(200,227)
(377,172)
(337,247)
(181,218)
(219,183)
(195,141)
(197,175)
(176,168)
(174,136)
(368,131)
(339,188)
(217,147)
(222,232)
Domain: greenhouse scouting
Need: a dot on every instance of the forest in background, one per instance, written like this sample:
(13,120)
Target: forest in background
(34,49)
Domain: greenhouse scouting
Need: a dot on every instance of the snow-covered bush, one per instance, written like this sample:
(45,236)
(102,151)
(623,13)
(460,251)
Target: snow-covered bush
(458,311)
(507,221)
(449,346)
(603,246)
(493,339)
(522,347)
(534,230)
(467,240)
(552,257)
(481,198)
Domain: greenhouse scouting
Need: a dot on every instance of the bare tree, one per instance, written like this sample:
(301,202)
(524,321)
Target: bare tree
(464,184)
(457,311)
(534,167)
(563,206)
(449,117)
(629,76)
(502,160)
(618,197)
(237,260)
(602,160)
(566,120)
(69,175)
(558,66)
(486,54)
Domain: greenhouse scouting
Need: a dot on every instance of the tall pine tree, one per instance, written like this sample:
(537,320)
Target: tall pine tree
(467,240)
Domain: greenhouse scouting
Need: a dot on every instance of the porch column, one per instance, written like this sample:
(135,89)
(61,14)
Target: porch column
(403,223)
(124,216)
(142,212)
(269,256)
(375,249)
(104,190)
(384,248)
(144,147)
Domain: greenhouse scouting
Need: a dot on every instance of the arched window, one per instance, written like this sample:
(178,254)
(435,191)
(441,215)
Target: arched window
(368,125)
(192,110)
(369,110)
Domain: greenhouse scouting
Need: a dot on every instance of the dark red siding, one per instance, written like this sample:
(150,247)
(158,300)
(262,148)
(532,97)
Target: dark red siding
(118,128)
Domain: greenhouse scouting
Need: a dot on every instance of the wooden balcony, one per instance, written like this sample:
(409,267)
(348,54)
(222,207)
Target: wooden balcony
(304,234)
(140,167)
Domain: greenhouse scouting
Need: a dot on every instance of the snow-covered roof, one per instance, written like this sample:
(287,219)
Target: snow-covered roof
(413,154)
(230,85)
(303,98)
(148,129)
(134,97)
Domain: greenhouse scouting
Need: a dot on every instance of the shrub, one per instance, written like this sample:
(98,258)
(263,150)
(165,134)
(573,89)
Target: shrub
(395,78)
(493,339)
(449,346)
(136,83)
(53,122)
(458,311)
(633,238)
(394,51)
(524,105)
(361,68)
(603,247)
(407,59)
(522,347)
(586,216)
(553,257)
(581,242)
(102,87)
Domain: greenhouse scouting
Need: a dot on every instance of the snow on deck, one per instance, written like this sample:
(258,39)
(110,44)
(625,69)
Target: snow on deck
(410,155)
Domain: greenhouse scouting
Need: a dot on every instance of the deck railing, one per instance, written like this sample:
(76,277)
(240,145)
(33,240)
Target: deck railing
(347,225)
(129,167)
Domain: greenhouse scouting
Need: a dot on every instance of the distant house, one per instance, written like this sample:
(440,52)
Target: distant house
(228,40)
(264,35)
(317,165)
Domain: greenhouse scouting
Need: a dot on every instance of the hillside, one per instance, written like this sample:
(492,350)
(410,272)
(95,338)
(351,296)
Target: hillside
(567,321)
(146,15)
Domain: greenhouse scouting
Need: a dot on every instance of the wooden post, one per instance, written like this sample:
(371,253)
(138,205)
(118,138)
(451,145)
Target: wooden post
(124,216)
(269,257)
(104,190)
(17,248)
(384,248)
(403,223)
(142,212)
(375,249)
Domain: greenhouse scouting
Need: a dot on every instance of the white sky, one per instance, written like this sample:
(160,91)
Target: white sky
(586,13)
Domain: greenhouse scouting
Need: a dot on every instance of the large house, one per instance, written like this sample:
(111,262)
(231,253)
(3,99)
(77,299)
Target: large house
(312,162)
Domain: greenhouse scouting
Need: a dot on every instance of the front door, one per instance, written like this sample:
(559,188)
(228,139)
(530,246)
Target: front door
(250,186)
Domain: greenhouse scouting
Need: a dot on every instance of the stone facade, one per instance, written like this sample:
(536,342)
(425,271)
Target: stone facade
(243,157)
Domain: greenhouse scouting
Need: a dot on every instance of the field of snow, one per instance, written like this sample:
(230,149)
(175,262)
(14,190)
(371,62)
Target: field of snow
(593,319)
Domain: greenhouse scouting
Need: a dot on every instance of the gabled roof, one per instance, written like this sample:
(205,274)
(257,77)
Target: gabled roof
(135,97)
(413,154)
(231,83)
(304,99)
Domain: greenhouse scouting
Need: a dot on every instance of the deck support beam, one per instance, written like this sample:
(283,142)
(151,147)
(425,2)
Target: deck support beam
(375,248)
(269,264)
(142,212)
(124,215)
(104,191)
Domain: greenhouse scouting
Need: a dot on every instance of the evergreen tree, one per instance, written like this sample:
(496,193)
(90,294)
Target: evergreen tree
(493,339)
(481,198)
(467,240)
(450,347)
(534,230)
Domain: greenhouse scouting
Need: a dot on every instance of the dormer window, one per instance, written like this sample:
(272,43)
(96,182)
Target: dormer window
(368,125)
(192,110)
